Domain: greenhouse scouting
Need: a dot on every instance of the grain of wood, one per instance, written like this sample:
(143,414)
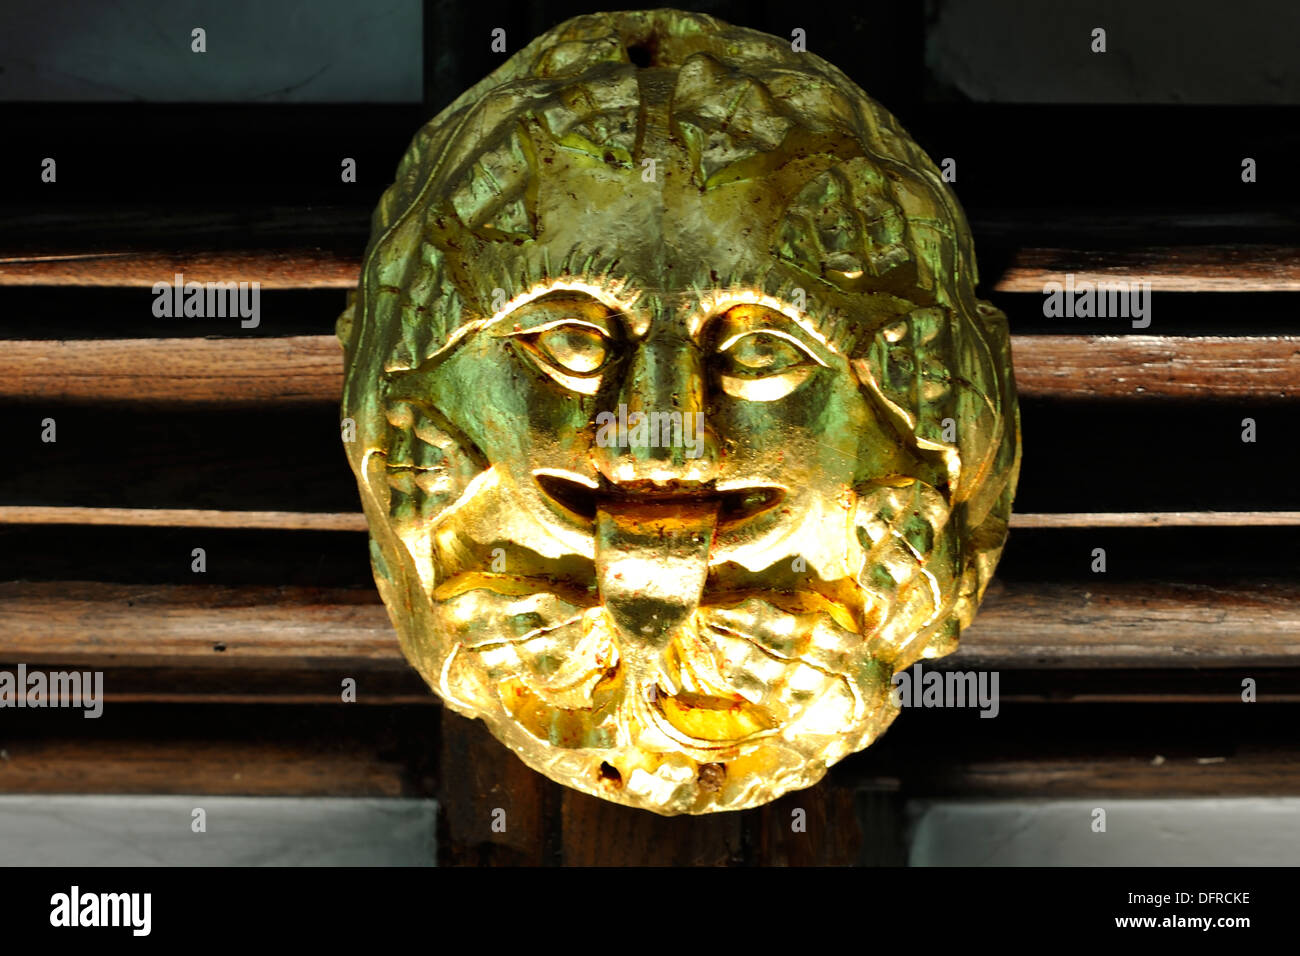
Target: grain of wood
(326,767)
(1191,268)
(263,626)
(309,368)
(355,521)
(814,827)
(1156,519)
(182,518)
(1150,366)
(302,268)
(495,810)
(598,833)
(1133,624)
(1020,626)
(240,370)
(1112,775)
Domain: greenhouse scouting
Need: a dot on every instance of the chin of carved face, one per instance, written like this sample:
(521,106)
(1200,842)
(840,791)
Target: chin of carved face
(737,695)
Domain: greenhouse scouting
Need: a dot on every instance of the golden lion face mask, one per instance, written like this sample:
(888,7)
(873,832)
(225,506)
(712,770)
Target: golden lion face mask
(679,428)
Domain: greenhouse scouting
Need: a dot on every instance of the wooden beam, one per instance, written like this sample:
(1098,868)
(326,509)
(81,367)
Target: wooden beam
(45,765)
(1145,749)
(1193,268)
(1151,366)
(262,626)
(1251,775)
(182,518)
(495,810)
(303,268)
(1156,519)
(309,368)
(213,749)
(257,370)
(355,521)
(598,833)
(824,826)
(1133,624)
(1217,268)
(1020,626)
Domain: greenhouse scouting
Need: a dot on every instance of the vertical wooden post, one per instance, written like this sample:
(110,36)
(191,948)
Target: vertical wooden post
(493,810)
(599,833)
(814,827)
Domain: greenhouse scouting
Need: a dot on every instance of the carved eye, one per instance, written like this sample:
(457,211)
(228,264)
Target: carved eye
(575,349)
(763,365)
(572,352)
(757,354)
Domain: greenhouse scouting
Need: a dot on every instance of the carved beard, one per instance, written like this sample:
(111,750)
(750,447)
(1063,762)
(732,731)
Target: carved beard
(773,674)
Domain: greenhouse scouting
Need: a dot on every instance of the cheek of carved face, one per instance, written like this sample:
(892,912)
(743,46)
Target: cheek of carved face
(790,414)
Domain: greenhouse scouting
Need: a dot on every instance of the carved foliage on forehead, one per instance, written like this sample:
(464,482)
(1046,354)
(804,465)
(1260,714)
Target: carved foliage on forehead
(493,198)
(724,116)
(844,226)
(598,116)
(868,211)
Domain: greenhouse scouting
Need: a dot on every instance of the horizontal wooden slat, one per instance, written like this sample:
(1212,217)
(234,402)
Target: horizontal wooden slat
(355,521)
(320,246)
(1146,749)
(1133,624)
(1020,626)
(301,367)
(182,518)
(256,626)
(381,683)
(1150,366)
(1264,268)
(1028,750)
(273,269)
(350,764)
(1240,775)
(310,367)
(338,750)
(1156,519)
(1239,268)
(207,767)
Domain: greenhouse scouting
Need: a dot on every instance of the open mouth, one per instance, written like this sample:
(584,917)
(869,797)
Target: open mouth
(733,504)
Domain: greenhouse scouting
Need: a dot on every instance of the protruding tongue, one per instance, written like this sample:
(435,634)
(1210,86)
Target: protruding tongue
(651,562)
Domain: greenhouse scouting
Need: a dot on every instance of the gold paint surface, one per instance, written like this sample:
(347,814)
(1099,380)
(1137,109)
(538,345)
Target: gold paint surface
(679,427)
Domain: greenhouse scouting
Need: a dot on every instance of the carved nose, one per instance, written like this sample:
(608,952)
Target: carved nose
(658,432)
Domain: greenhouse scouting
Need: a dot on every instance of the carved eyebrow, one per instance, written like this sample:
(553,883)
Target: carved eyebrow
(602,327)
(616,305)
(713,305)
(537,316)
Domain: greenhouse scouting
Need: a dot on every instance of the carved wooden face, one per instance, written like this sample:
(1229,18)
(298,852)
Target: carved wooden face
(680,430)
